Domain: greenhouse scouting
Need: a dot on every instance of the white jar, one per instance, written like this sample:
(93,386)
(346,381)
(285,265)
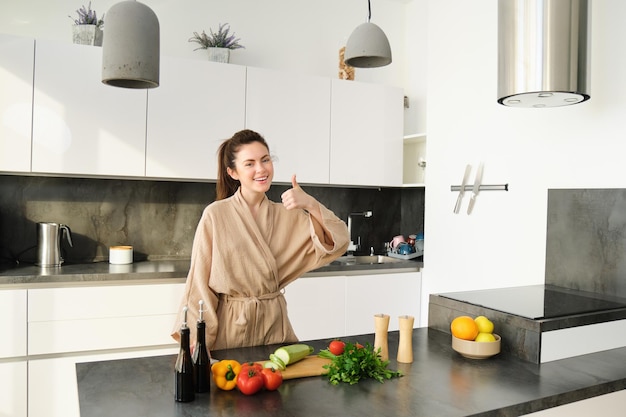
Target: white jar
(120,255)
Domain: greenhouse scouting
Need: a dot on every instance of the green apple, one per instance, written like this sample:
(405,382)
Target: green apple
(484,324)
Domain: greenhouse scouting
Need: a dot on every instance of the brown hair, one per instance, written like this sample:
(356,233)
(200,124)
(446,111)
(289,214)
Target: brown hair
(226,185)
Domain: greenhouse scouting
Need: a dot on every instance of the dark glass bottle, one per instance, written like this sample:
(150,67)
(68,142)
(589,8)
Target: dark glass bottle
(183,369)
(201,362)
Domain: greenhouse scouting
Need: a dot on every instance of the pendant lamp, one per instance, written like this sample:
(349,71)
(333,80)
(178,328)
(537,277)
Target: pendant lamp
(367,46)
(130,46)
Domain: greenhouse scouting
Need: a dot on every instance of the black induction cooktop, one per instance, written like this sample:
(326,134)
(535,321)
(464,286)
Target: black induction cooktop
(539,301)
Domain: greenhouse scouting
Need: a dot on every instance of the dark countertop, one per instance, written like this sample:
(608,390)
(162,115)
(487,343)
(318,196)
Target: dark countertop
(439,382)
(97,273)
(94,273)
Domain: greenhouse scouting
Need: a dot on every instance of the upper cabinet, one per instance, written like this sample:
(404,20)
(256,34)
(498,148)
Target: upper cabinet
(414,160)
(59,118)
(16,95)
(366,134)
(81,126)
(197,105)
(292,112)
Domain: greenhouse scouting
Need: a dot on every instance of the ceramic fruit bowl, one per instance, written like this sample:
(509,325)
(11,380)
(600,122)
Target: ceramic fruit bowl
(476,350)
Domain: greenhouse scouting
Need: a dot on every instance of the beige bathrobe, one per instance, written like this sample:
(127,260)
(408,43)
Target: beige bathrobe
(239,266)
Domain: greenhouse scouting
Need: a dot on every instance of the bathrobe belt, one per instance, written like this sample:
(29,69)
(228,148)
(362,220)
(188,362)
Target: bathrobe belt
(250,307)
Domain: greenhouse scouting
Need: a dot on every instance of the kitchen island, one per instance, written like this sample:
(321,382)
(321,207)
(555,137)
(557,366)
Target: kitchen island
(439,382)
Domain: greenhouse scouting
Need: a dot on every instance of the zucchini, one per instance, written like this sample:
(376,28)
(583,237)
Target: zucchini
(293,353)
(271,365)
(278,362)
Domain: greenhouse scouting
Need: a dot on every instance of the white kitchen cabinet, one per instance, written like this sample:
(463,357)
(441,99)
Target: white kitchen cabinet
(414,160)
(337,306)
(13,365)
(98,318)
(292,112)
(13,388)
(607,405)
(13,323)
(81,126)
(52,383)
(16,94)
(392,294)
(197,105)
(321,129)
(366,134)
(316,307)
(83,324)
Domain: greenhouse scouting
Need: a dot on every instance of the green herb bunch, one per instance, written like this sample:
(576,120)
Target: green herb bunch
(221,39)
(86,16)
(356,363)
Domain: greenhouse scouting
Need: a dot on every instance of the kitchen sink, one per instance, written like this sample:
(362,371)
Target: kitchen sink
(364,260)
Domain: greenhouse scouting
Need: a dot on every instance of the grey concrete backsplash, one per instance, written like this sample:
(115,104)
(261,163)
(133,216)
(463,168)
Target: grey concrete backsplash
(159,218)
(586,240)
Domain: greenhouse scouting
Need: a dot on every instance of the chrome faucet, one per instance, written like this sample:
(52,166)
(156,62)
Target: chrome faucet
(355,246)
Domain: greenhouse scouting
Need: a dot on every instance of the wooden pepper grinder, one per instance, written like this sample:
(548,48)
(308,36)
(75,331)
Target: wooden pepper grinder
(381,326)
(405,344)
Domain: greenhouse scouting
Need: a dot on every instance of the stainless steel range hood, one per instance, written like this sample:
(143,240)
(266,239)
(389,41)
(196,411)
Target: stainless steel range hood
(543,52)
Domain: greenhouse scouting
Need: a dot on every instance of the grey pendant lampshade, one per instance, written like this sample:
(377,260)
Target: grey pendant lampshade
(367,46)
(131,46)
(543,56)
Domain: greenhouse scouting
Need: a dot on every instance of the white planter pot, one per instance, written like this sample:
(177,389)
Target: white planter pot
(219,54)
(87,35)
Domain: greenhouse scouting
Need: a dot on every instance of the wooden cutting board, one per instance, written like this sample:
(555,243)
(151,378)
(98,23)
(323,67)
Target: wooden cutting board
(310,366)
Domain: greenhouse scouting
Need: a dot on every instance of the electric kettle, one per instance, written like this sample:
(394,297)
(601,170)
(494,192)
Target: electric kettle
(49,237)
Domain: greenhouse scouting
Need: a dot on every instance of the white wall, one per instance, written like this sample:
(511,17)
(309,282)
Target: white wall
(502,244)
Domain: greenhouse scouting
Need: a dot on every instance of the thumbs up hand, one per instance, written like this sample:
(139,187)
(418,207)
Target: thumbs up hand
(294,183)
(296,197)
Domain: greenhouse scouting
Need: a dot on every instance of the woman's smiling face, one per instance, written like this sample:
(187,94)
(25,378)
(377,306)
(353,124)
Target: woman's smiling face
(254,168)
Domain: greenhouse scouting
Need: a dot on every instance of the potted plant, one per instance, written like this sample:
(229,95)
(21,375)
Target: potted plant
(217,44)
(87,29)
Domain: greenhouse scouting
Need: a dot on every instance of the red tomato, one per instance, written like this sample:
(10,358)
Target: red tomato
(336,347)
(272,378)
(254,365)
(249,381)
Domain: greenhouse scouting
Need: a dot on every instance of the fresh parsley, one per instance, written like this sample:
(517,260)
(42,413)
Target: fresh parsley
(355,363)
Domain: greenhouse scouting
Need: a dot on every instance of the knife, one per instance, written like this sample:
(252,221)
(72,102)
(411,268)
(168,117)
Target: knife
(457,206)
(476,189)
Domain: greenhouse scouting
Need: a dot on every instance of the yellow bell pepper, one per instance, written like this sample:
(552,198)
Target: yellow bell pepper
(225,374)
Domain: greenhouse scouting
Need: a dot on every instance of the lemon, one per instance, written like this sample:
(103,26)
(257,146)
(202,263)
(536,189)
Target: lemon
(484,324)
(485,337)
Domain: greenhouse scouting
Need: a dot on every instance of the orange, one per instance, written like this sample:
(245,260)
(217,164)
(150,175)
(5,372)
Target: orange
(464,327)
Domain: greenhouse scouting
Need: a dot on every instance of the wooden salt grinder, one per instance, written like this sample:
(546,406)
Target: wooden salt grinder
(381,326)
(405,344)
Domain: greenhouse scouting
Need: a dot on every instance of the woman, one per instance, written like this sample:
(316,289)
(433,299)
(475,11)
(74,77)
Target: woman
(248,248)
